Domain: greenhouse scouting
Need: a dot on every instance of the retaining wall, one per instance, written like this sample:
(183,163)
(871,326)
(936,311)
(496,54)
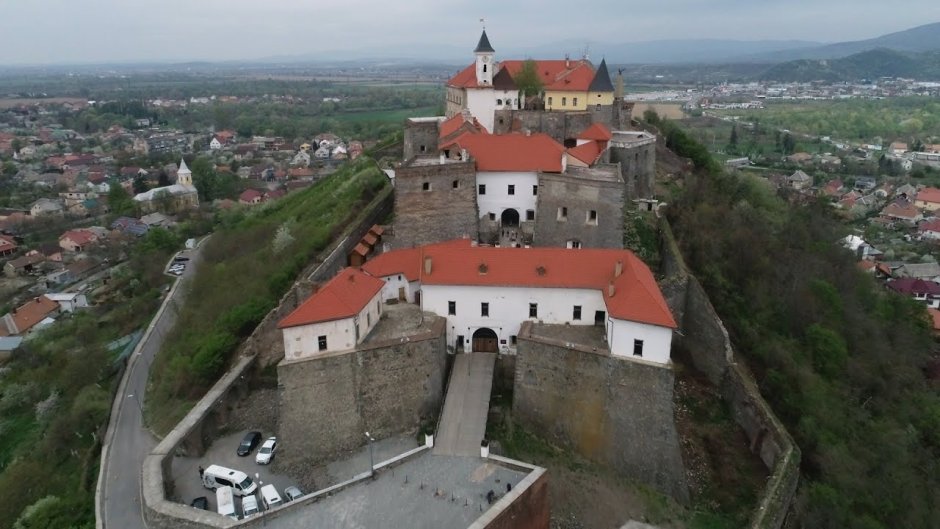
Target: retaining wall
(703,334)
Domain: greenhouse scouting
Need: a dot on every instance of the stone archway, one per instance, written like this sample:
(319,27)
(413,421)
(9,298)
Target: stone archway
(509,218)
(485,341)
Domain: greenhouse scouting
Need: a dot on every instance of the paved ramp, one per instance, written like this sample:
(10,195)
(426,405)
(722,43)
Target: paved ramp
(463,423)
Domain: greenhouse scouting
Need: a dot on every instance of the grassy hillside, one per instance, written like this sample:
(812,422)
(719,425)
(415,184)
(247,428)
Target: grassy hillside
(839,359)
(249,263)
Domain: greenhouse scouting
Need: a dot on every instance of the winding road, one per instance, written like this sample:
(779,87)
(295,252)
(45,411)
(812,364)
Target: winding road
(128,441)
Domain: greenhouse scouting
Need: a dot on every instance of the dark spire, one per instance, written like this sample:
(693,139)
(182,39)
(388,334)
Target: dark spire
(601,82)
(484,45)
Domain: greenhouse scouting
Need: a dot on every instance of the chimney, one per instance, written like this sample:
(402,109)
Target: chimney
(463,155)
(618,268)
(611,290)
(427,264)
(567,61)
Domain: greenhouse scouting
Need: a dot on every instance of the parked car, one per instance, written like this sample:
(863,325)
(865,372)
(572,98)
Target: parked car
(250,506)
(292,493)
(270,498)
(200,503)
(180,258)
(266,452)
(248,444)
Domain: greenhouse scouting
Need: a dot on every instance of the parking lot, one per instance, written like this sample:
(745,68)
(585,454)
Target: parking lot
(187,484)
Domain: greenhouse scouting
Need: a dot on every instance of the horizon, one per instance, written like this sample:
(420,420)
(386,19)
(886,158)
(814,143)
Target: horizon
(238,31)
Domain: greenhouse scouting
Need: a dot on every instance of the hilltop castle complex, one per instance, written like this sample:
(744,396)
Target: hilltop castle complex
(552,169)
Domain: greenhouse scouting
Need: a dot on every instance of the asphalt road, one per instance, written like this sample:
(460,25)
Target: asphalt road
(132,441)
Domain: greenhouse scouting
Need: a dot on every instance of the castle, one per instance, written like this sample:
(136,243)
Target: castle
(556,168)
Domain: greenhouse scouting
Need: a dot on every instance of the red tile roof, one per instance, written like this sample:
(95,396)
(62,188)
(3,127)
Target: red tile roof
(558,74)
(455,123)
(561,74)
(929,194)
(249,196)
(344,296)
(930,225)
(597,132)
(636,295)
(361,249)
(912,285)
(79,237)
(513,152)
(26,316)
(377,230)
(370,239)
(587,152)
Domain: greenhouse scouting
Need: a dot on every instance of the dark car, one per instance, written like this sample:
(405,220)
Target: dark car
(200,503)
(180,259)
(249,443)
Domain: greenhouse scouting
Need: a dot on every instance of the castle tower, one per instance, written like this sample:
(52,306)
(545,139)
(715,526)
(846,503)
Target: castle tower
(184,176)
(484,64)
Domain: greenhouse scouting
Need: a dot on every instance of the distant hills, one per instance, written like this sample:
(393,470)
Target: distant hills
(915,40)
(871,64)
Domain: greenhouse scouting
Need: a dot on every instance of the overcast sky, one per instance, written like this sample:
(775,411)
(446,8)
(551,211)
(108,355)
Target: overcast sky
(68,31)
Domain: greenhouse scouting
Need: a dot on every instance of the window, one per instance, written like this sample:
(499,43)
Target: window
(592,216)
(598,105)
(484,309)
(637,347)
(368,319)
(499,102)
(533,310)
(455,184)
(564,101)
(484,68)
(574,101)
(530,214)
(460,342)
(481,189)
(492,216)
(577,313)
(426,186)
(562,213)
(535,190)
(574,243)
(549,100)
(513,339)
(452,308)
(321,342)
(422,148)
(511,189)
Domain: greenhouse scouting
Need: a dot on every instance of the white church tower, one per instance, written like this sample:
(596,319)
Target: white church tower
(184,176)
(485,66)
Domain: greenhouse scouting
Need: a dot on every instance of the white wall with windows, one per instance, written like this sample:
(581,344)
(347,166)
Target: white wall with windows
(508,307)
(305,341)
(499,196)
(483,103)
(627,338)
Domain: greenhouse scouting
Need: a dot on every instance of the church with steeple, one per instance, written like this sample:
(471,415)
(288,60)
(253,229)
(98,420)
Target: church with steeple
(172,198)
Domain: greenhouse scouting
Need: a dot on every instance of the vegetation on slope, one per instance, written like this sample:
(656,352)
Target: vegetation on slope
(55,396)
(840,360)
(871,64)
(248,264)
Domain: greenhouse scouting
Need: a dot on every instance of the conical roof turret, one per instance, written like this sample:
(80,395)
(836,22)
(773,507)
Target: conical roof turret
(484,45)
(601,82)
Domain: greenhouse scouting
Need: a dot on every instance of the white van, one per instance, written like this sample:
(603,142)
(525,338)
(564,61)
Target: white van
(225,499)
(270,497)
(250,506)
(218,476)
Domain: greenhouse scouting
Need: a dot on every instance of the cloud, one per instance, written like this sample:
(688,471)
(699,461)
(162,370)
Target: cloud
(64,31)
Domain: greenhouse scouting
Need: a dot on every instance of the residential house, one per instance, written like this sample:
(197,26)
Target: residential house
(302,158)
(51,252)
(833,188)
(33,314)
(8,246)
(928,199)
(929,229)
(69,301)
(215,144)
(130,226)
(251,197)
(925,271)
(77,240)
(865,183)
(901,210)
(921,290)
(157,219)
(897,148)
(799,181)
(23,265)
(301,172)
(800,158)
(906,191)
(45,207)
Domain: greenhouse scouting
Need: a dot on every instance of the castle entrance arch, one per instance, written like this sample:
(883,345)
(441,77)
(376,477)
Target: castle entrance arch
(509,218)
(485,341)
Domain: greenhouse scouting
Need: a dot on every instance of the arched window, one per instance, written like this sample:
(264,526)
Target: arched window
(499,102)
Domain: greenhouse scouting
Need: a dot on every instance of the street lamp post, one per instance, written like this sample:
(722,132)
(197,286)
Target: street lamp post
(371,461)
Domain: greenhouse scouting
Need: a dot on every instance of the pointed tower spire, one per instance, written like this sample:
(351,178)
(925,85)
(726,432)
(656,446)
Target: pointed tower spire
(184,176)
(601,82)
(484,45)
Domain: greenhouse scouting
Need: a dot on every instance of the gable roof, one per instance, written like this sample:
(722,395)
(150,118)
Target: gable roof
(461,121)
(484,45)
(601,82)
(929,194)
(81,237)
(344,296)
(913,285)
(636,296)
(27,315)
(597,132)
(563,74)
(930,225)
(920,270)
(503,80)
(513,152)
(587,152)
